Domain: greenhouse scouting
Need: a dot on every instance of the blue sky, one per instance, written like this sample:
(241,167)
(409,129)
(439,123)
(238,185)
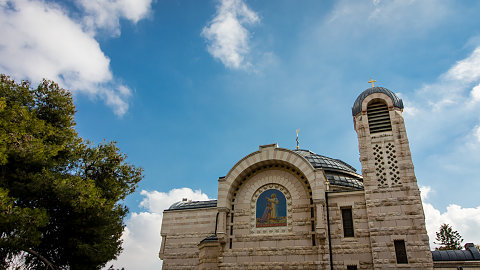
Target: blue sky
(187,88)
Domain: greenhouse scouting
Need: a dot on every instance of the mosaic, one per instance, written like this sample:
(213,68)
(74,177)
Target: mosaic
(271,210)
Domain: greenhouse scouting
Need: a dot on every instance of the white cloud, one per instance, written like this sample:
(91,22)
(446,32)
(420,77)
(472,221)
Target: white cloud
(226,34)
(117,98)
(475,94)
(476,133)
(424,192)
(445,133)
(141,238)
(141,242)
(466,70)
(420,14)
(106,14)
(40,40)
(409,17)
(464,220)
(158,201)
(447,110)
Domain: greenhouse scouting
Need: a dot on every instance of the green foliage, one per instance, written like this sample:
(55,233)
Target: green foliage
(19,226)
(59,195)
(448,238)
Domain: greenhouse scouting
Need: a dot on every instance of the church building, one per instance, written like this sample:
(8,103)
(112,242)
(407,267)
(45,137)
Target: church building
(294,209)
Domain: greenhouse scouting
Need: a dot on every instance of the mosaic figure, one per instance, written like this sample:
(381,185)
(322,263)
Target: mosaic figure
(271,209)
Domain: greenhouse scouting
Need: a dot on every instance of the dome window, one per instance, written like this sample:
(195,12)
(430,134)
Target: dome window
(378,117)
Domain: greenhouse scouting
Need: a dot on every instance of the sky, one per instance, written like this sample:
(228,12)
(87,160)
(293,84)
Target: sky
(187,88)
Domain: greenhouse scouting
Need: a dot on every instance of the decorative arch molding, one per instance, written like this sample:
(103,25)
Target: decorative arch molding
(253,211)
(377,96)
(269,156)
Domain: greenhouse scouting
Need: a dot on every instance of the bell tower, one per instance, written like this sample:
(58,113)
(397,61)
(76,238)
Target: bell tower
(395,214)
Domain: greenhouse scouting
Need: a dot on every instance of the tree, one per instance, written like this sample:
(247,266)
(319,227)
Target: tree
(60,196)
(448,238)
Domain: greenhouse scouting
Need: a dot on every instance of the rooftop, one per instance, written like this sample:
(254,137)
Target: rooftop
(323,162)
(183,205)
(339,173)
(345,181)
(470,253)
(357,106)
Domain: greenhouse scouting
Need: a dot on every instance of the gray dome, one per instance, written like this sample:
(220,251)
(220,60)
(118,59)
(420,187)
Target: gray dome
(338,172)
(357,106)
(183,205)
(323,162)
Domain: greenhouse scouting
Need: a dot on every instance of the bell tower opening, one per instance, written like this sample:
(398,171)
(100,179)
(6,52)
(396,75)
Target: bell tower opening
(378,117)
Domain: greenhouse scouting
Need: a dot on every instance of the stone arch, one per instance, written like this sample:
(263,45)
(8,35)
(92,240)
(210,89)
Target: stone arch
(269,156)
(361,123)
(374,97)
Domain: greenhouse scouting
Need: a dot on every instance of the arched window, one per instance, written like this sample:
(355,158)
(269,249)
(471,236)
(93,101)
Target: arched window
(378,117)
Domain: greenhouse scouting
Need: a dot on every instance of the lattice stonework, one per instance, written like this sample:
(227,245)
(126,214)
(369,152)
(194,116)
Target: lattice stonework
(386,164)
(392,163)
(253,205)
(380,170)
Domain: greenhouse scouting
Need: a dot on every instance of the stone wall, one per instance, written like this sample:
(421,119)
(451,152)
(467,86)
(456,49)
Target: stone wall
(209,252)
(182,231)
(289,247)
(350,250)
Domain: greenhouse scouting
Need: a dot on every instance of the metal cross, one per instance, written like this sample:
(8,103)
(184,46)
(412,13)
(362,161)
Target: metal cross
(372,81)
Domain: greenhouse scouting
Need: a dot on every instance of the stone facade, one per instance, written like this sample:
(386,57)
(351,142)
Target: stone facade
(326,215)
(182,232)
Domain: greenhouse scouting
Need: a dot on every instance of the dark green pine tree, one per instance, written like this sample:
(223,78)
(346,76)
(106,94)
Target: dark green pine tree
(448,239)
(60,196)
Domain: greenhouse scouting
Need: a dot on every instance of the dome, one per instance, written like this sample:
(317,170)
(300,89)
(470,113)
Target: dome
(183,205)
(338,172)
(323,162)
(357,106)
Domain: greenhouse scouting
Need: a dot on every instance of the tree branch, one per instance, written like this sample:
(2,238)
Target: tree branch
(36,254)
